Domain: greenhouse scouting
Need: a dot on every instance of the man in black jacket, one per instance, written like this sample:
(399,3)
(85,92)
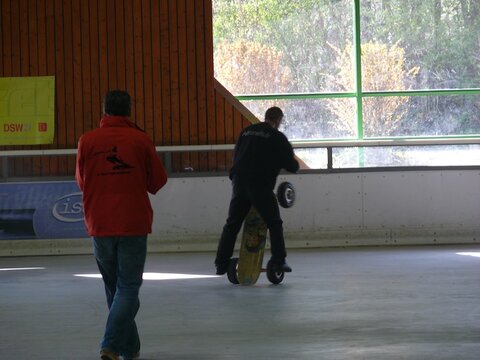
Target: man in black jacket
(259,155)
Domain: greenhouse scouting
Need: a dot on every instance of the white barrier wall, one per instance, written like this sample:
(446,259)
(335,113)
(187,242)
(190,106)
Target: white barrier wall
(372,208)
(344,209)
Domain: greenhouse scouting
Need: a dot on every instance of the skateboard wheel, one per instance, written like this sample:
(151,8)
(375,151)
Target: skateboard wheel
(232,271)
(273,276)
(286,194)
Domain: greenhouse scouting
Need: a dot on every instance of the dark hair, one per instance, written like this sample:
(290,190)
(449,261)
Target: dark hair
(117,102)
(273,114)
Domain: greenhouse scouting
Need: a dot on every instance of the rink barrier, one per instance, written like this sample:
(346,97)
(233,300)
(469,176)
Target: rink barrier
(429,207)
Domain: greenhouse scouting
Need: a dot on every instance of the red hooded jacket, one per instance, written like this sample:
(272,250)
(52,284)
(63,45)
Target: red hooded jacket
(117,166)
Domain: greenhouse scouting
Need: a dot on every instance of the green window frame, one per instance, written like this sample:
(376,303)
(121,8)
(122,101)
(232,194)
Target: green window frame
(359,95)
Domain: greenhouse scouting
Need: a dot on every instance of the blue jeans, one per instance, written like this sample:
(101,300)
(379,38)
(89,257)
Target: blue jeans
(121,260)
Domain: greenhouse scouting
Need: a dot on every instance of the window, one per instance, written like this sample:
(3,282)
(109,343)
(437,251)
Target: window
(357,69)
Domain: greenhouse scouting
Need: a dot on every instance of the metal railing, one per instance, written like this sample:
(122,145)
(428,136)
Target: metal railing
(329,145)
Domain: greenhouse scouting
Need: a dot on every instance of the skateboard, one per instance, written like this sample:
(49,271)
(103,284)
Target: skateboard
(246,269)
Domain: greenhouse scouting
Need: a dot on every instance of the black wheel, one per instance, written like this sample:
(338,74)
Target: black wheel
(286,194)
(232,271)
(273,276)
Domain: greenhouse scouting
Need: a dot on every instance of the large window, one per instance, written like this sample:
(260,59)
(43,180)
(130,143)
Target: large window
(357,69)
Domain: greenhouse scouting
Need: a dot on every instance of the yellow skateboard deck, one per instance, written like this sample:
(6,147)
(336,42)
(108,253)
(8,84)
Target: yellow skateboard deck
(252,248)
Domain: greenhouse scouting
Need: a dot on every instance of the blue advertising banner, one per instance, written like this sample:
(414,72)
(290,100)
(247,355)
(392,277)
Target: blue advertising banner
(41,210)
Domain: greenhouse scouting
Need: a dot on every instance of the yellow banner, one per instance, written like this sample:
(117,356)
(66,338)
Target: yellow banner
(27,110)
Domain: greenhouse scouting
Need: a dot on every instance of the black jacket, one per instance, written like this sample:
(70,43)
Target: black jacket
(260,153)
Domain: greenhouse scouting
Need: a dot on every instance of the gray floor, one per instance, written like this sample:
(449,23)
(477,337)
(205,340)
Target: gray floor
(372,303)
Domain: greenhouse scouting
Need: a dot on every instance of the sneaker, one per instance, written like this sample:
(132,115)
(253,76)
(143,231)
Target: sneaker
(281,267)
(108,355)
(221,269)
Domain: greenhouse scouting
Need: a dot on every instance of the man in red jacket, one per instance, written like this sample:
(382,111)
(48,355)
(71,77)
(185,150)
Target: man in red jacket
(117,166)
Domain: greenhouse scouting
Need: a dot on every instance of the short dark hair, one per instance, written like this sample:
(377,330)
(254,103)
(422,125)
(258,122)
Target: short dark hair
(274,113)
(117,102)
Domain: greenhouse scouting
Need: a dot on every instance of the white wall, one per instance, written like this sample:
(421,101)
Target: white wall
(345,209)
(373,208)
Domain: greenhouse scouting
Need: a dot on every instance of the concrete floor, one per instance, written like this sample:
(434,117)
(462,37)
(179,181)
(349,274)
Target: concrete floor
(370,303)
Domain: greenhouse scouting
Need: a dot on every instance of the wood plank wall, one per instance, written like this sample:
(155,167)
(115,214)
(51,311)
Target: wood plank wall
(160,51)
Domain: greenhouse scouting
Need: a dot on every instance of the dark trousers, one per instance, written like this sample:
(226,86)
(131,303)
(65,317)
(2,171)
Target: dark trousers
(246,194)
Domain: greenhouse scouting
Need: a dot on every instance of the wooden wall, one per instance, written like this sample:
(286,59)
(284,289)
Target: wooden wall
(160,51)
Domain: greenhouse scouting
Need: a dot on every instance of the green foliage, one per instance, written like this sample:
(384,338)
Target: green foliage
(299,29)
(252,19)
(440,36)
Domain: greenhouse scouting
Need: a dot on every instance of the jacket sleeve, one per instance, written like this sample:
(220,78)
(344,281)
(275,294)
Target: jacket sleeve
(156,173)
(79,165)
(289,162)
